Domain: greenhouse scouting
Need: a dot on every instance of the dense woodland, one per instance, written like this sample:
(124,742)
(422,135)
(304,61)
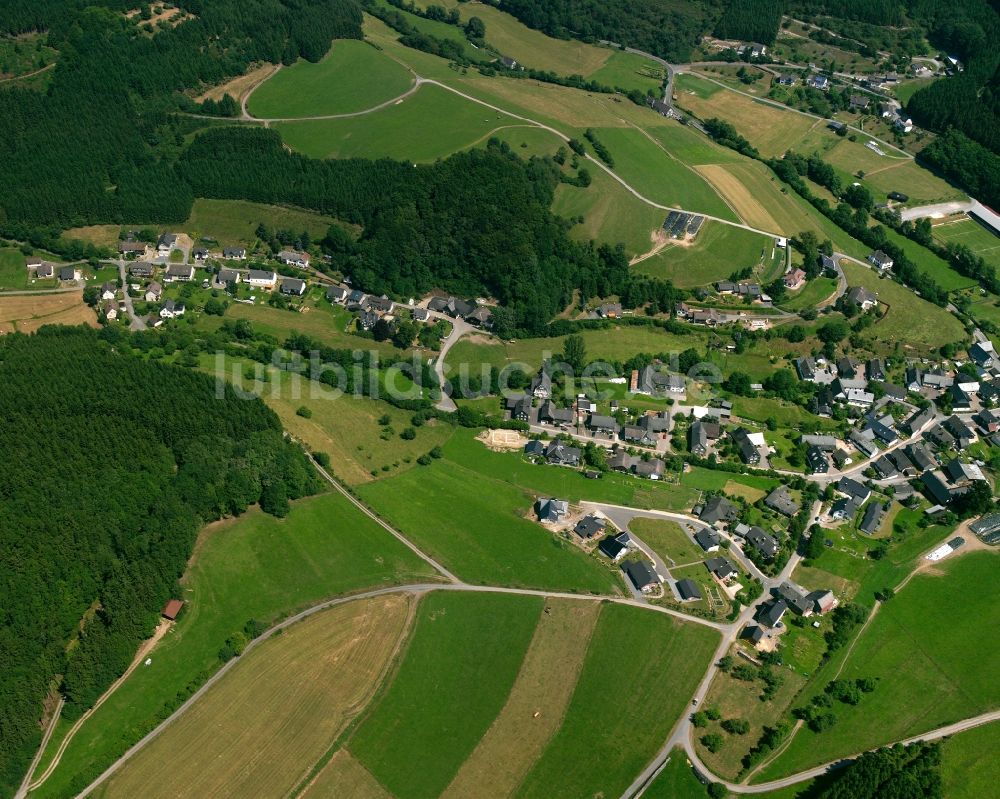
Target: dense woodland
(111,464)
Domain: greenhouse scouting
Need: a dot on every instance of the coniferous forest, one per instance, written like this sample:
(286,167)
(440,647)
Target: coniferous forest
(111,464)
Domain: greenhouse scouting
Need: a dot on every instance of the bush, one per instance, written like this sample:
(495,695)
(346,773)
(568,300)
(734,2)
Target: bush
(304,412)
(712,742)
(408,434)
(322,459)
(736,726)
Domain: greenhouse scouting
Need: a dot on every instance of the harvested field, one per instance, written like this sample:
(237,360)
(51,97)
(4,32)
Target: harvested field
(239,86)
(268,721)
(27,312)
(535,707)
(749,207)
(344,776)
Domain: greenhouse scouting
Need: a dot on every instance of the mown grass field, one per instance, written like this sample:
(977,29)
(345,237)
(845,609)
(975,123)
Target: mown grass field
(811,294)
(429,124)
(252,567)
(344,776)
(513,469)
(659,177)
(717,252)
(927,647)
(677,780)
(629,71)
(352,76)
(667,539)
(480,528)
(787,414)
(911,324)
(930,264)
(534,49)
(977,238)
(690,146)
(13,272)
(969,767)
(231,222)
(536,705)
(771,130)
(618,343)
(454,678)
(607,736)
(307,683)
(610,214)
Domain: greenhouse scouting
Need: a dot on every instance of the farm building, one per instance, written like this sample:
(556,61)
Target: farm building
(172,608)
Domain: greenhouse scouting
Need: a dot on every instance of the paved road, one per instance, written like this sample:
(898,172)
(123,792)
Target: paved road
(459,328)
(135,322)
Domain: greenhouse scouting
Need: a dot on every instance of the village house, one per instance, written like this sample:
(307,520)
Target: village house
(863,298)
(781,500)
(718,509)
(552,511)
(171,309)
(153,292)
(817,461)
(132,249)
(141,269)
(722,568)
(641,575)
(748,451)
(880,261)
(166,243)
(200,255)
(794,280)
(293,286)
(262,278)
(552,414)
(590,526)
(615,546)
(858,492)
(687,590)
(45,271)
(179,272)
(766,545)
(234,253)
(109,291)
(338,294)
(708,539)
(293,258)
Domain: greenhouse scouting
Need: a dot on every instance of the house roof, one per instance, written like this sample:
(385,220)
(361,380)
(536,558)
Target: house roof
(771,617)
(855,490)
(589,526)
(601,422)
(872,518)
(718,509)
(781,500)
(707,539)
(766,544)
(639,573)
(172,608)
(688,589)
(721,567)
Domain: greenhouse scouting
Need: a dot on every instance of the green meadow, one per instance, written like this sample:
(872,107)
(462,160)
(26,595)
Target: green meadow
(352,77)
(253,567)
(717,252)
(608,735)
(457,670)
(429,124)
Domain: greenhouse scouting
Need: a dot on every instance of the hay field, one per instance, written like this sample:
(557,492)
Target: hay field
(353,76)
(535,707)
(343,777)
(771,130)
(748,206)
(26,313)
(263,725)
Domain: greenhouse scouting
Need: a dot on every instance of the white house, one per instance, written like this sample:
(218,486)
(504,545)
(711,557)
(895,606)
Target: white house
(880,261)
(153,292)
(291,285)
(292,258)
(171,310)
(177,272)
(262,278)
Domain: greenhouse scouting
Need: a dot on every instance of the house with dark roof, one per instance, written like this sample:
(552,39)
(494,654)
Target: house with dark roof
(621,461)
(817,461)
(919,420)
(615,546)
(637,435)
(141,269)
(902,463)
(843,508)
(590,526)
(552,511)
(653,469)
(653,381)
(552,414)
(294,258)
(983,354)
(862,297)
(560,454)
(795,598)
(853,489)
(963,434)
(874,514)
(234,253)
(749,453)
(722,568)
(823,601)
(520,408)
(293,286)
(821,442)
(771,616)
(718,509)
(641,575)
(885,467)
(988,420)
(535,448)
(765,544)
(688,590)
(708,539)
(781,500)
(806,369)
(920,456)
(937,487)
(541,384)
(179,272)
(598,423)
(940,437)
(961,400)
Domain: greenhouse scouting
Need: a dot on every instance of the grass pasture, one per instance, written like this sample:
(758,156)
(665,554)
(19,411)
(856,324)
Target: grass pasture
(911,323)
(453,680)
(629,71)
(429,124)
(13,271)
(611,215)
(232,222)
(667,539)
(676,780)
(252,567)
(927,648)
(536,704)
(771,130)
(969,767)
(607,736)
(717,252)
(308,683)
(28,312)
(352,76)
(690,146)
(982,241)
(644,165)
(930,264)
(811,294)
(476,526)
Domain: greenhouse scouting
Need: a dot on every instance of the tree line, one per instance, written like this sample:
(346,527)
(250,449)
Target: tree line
(112,464)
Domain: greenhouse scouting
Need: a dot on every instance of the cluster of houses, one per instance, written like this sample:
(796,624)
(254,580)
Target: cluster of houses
(784,598)
(681,225)
(46,270)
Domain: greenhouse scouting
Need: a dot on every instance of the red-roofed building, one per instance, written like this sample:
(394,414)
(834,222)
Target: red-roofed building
(172,608)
